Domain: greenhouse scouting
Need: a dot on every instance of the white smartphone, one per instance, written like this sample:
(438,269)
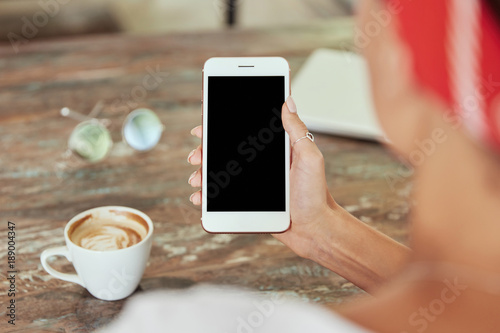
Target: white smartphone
(246,151)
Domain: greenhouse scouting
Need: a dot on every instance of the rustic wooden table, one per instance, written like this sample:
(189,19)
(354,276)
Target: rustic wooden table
(41,188)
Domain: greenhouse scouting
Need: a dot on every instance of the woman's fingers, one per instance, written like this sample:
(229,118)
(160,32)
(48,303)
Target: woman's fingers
(291,121)
(195,178)
(197,131)
(195,198)
(194,156)
(296,129)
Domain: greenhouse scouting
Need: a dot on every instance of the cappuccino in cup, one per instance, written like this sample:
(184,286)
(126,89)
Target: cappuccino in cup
(108,230)
(109,248)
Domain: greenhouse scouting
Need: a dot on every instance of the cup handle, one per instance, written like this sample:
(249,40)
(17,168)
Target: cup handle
(59,251)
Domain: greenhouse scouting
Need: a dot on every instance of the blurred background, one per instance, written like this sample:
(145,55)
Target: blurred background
(74,53)
(74,17)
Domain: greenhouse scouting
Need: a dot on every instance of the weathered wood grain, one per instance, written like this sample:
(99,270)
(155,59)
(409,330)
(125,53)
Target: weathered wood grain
(41,189)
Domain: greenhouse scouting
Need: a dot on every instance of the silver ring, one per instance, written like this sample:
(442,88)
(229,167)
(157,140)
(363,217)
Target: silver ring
(307,136)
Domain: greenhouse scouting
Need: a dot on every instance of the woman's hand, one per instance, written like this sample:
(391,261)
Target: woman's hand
(194,158)
(321,230)
(310,201)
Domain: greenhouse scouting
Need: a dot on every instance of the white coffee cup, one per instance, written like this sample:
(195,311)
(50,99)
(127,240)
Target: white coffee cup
(109,269)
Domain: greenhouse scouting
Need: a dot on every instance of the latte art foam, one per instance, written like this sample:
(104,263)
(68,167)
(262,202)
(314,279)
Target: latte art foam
(108,231)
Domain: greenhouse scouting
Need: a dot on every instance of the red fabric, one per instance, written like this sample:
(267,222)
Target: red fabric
(490,68)
(423,26)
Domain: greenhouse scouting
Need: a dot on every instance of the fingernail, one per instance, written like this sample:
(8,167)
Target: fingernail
(192,131)
(191,197)
(191,177)
(190,155)
(291,104)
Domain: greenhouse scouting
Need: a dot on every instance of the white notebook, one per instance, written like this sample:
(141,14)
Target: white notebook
(332,93)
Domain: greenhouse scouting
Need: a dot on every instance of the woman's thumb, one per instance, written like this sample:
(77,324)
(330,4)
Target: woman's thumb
(291,121)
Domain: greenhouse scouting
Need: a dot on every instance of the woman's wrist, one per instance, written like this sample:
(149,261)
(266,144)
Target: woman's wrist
(316,237)
(354,250)
(322,241)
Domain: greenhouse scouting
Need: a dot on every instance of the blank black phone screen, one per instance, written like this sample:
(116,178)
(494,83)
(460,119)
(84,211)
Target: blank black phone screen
(246,144)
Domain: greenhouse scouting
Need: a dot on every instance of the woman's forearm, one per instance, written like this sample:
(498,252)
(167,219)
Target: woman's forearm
(358,252)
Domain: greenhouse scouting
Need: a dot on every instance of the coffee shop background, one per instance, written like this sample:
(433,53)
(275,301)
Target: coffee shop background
(70,17)
(79,54)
